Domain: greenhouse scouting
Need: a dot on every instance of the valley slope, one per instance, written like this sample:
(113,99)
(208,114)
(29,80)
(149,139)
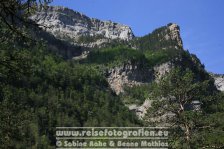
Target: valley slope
(125,60)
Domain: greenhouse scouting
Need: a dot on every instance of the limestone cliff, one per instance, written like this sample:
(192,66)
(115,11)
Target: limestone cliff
(174,34)
(128,75)
(132,75)
(219,81)
(78,29)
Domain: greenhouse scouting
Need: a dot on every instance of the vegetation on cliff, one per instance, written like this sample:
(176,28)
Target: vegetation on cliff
(40,88)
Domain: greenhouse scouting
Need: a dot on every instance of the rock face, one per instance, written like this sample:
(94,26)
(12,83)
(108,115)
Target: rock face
(142,110)
(219,81)
(171,33)
(174,34)
(128,75)
(70,25)
(132,75)
(161,70)
(165,37)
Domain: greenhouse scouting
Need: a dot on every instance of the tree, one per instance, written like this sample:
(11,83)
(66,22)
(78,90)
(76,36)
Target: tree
(16,13)
(14,24)
(173,105)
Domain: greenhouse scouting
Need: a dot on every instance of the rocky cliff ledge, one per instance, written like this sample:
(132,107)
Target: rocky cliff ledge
(70,25)
(174,34)
(219,81)
(133,75)
(128,75)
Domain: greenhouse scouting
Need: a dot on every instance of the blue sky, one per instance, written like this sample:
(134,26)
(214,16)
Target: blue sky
(201,21)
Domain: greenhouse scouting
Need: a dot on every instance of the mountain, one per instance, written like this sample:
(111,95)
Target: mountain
(80,33)
(162,49)
(166,37)
(73,70)
(77,28)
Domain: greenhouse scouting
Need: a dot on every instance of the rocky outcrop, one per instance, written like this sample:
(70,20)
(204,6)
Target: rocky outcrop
(132,75)
(165,37)
(219,81)
(161,70)
(170,36)
(157,73)
(142,109)
(174,34)
(72,26)
(128,75)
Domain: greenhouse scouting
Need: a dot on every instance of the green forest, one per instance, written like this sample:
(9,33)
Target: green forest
(41,89)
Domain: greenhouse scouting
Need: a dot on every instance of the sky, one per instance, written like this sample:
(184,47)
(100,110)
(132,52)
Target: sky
(201,22)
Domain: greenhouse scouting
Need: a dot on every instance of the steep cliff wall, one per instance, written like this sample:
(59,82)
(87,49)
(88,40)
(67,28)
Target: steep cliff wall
(79,29)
